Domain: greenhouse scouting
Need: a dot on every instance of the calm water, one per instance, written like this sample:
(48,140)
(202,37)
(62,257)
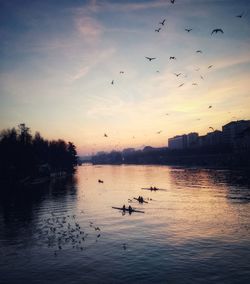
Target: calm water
(197,230)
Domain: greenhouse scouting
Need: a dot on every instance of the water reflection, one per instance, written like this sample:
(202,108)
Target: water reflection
(68,229)
(20,207)
(235,183)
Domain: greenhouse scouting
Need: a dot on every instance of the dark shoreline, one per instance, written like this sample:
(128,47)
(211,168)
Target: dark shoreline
(230,161)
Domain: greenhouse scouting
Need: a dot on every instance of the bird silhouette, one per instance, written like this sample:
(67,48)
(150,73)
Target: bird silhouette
(177,74)
(201,77)
(188,30)
(157,30)
(210,127)
(150,58)
(105,135)
(216,31)
(180,85)
(172,57)
(163,22)
(172,1)
(240,15)
(198,51)
(210,107)
(159,132)
(121,72)
(195,84)
(210,66)
(112,82)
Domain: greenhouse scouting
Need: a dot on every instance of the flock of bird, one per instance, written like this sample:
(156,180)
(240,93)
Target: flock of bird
(64,232)
(162,23)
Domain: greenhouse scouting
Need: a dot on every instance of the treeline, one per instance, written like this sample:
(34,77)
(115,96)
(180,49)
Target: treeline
(24,156)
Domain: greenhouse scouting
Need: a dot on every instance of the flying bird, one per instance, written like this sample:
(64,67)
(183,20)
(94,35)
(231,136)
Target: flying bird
(201,77)
(195,84)
(198,51)
(105,135)
(112,82)
(210,127)
(210,107)
(210,66)
(172,1)
(163,22)
(240,15)
(180,85)
(121,72)
(157,30)
(177,74)
(216,31)
(172,57)
(159,132)
(188,30)
(150,58)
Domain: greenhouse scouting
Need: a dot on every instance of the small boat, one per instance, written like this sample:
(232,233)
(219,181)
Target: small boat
(152,188)
(127,209)
(140,200)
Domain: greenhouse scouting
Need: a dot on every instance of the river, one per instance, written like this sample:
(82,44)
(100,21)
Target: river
(195,230)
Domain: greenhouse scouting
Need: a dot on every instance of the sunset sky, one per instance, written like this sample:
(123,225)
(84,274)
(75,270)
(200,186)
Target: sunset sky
(59,57)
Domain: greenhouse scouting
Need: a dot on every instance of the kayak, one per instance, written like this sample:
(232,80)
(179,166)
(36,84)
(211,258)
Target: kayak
(152,189)
(140,201)
(126,209)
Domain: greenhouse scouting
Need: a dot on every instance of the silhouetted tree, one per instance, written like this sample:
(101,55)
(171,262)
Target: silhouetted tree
(23,156)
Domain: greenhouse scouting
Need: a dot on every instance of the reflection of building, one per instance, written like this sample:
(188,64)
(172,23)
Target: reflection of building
(178,142)
(233,129)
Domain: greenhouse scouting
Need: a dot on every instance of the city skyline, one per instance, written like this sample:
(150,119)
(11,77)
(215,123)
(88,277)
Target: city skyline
(78,71)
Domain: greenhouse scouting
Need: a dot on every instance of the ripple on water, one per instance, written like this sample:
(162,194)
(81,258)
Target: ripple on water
(197,230)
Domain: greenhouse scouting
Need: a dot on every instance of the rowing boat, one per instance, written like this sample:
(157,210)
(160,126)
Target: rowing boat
(129,210)
(140,201)
(152,188)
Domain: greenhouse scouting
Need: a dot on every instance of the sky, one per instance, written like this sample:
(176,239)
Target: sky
(58,59)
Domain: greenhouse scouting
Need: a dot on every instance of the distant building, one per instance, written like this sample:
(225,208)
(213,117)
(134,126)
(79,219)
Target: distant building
(242,141)
(233,129)
(128,151)
(214,138)
(178,142)
(192,140)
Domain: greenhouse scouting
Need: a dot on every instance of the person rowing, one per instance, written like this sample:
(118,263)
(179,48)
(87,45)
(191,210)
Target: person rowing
(130,209)
(153,188)
(140,199)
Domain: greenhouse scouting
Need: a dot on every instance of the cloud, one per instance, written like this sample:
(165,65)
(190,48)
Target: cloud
(80,73)
(89,28)
(95,57)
